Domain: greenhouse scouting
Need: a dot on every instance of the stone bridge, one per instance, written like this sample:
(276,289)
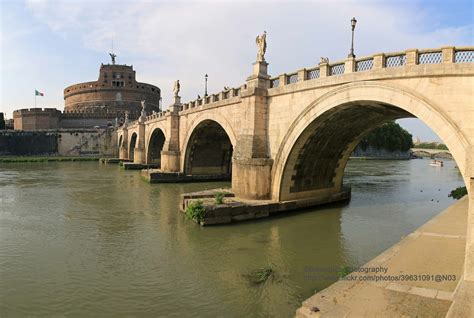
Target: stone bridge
(288,138)
(431,152)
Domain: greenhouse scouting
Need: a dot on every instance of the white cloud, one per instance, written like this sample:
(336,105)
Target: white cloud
(184,40)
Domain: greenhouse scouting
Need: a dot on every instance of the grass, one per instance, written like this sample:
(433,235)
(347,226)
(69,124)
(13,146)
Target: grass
(20,159)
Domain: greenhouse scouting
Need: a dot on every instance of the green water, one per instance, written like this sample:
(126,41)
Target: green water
(84,239)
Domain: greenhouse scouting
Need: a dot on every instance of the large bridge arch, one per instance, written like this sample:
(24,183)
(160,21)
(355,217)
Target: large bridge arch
(208,148)
(198,121)
(344,115)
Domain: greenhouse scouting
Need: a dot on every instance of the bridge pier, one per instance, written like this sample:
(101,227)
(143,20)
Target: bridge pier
(251,178)
(123,153)
(139,156)
(170,161)
(252,165)
(123,147)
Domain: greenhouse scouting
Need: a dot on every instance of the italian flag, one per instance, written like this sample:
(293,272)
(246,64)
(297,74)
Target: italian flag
(38,93)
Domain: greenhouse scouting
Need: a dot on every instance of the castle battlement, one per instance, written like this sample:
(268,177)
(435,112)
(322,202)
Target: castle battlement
(36,111)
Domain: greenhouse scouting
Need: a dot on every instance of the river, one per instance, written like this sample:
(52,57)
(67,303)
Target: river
(84,239)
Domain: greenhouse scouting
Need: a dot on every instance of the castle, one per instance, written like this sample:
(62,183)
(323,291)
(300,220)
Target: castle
(98,103)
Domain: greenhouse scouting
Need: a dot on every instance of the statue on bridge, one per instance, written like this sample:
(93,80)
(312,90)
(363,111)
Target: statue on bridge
(143,113)
(261,41)
(113,56)
(176,88)
(125,122)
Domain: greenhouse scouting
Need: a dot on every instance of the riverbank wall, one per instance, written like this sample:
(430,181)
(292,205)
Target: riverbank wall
(417,277)
(59,142)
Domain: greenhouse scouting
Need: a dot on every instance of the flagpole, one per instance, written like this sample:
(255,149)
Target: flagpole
(35,99)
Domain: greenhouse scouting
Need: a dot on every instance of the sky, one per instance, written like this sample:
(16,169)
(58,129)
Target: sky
(48,45)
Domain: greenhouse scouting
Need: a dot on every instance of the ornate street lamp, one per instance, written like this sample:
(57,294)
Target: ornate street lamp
(205,87)
(353,25)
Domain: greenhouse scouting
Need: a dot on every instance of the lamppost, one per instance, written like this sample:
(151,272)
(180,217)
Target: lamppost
(353,25)
(205,87)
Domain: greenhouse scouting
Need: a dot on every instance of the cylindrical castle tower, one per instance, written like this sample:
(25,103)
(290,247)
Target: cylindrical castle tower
(116,91)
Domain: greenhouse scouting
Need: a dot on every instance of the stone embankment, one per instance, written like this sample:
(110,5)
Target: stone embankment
(428,262)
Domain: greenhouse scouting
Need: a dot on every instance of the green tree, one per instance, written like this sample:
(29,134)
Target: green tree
(389,136)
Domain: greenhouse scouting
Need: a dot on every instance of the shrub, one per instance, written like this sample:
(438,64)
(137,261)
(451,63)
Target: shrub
(196,211)
(219,197)
(458,193)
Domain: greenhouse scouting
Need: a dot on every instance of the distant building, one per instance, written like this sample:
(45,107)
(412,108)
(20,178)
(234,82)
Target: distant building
(98,103)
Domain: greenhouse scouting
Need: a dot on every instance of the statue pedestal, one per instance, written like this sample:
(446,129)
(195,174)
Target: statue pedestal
(259,77)
(176,106)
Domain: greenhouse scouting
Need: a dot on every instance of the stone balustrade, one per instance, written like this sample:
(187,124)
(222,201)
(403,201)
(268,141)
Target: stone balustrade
(350,65)
(214,98)
(377,61)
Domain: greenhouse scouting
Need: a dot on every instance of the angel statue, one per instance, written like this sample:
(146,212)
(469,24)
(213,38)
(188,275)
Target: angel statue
(176,88)
(143,113)
(261,41)
(113,56)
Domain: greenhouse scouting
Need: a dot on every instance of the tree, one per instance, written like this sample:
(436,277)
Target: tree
(389,136)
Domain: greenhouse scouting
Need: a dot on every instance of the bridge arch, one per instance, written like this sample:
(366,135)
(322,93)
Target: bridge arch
(208,148)
(131,146)
(314,152)
(120,141)
(155,144)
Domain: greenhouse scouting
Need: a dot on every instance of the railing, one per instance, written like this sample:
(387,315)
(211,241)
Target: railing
(396,60)
(430,57)
(207,100)
(312,74)
(464,56)
(292,78)
(274,82)
(155,115)
(336,69)
(377,61)
(364,65)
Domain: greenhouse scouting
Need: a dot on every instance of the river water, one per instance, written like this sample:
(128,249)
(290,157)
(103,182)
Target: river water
(84,239)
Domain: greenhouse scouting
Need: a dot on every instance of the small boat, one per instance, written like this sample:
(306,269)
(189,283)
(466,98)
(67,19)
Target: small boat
(436,163)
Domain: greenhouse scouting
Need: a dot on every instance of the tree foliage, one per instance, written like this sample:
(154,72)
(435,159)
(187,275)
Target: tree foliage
(431,145)
(389,136)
